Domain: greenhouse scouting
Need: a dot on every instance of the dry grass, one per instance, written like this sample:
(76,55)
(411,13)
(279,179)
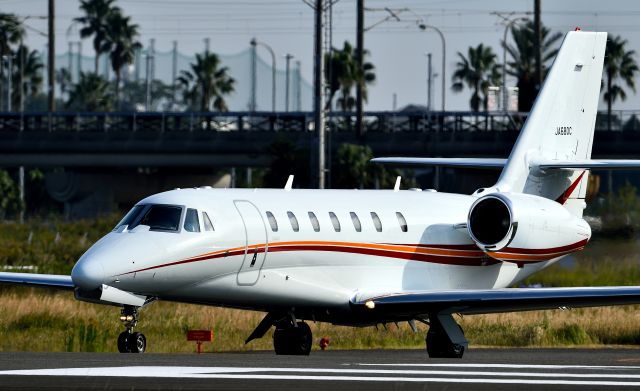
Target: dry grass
(44,321)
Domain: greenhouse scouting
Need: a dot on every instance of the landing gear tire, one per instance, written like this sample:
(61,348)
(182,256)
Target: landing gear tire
(439,344)
(130,341)
(290,340)
(123,345)
(137,343)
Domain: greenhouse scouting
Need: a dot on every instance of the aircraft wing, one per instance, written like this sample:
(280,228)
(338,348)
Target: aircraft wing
(40,280)
(484,301)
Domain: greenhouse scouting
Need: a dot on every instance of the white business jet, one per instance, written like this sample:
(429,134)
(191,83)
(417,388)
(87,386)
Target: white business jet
(362,258)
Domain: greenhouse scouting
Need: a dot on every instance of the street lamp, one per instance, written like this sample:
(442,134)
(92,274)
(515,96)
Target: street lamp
(254,42)
(424,27)
(505,106)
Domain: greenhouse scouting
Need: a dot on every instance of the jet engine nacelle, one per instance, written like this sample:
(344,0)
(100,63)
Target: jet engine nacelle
(522,227)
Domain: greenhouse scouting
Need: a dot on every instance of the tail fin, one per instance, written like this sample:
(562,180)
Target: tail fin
(561,124)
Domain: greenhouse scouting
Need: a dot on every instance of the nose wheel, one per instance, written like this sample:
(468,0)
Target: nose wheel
(130,341)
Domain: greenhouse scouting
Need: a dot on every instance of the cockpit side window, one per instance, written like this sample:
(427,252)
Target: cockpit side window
(207,222)
(161,218)
(191,222)
(131,217)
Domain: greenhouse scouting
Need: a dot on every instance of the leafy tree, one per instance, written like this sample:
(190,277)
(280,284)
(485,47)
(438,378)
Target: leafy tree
(134,95)
(353,169)
(122,40)
(342,74)
(287,159)
(27,70)
(10,204)
(620,68)
(477,71)
(63,79)
(206,83)
(96,23)
(523,60)
(91,93)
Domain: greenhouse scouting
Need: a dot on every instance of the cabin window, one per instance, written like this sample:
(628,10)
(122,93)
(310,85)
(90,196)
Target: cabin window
(191,222)
(334,221)
(356,222)
(376,221)
(207,222)
(272,222)
(402,222)
(294,222)
(314,222)
(160,218)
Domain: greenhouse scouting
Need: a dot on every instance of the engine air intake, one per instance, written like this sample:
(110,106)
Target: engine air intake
(489,221)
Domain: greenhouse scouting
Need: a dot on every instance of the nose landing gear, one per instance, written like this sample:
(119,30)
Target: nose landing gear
(130,341)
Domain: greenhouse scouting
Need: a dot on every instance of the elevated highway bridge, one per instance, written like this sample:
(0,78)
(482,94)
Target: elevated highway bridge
(241,139)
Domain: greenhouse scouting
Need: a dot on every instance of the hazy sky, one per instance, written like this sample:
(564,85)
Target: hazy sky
(397,47)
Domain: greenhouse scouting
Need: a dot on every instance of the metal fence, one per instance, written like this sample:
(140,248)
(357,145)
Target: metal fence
(379,121)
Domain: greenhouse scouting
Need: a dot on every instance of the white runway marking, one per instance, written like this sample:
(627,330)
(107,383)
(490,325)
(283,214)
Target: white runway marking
(511,366)
(343,374)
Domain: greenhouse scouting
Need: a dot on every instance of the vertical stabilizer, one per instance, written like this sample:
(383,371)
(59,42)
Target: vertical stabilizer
(560,125)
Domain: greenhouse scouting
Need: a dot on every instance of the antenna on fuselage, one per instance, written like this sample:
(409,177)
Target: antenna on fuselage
(397,185)
(289,183)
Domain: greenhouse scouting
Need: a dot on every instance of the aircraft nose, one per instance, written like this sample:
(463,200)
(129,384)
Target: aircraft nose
(88,273)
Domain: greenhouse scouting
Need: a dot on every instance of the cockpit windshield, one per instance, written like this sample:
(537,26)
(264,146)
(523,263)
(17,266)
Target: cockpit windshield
(157,217)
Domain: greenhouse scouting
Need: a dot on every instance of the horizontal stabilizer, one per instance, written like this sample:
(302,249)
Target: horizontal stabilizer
(485,301)
(461,162)
(492,163)
(40,280)
(588,164)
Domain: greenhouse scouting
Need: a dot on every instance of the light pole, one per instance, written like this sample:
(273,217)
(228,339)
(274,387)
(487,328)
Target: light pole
(147,104)
(505,106)
(254,42)
(288,58)
(444,58)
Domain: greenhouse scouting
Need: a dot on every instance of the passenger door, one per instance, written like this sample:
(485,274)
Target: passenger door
(255,243)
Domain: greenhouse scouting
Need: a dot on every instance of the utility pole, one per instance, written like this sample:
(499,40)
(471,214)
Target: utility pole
(537,43)
(298,86)
(51,65)
(318,91)
(254,77)
(429,80)
(359,62)
(287,84)
(174,74)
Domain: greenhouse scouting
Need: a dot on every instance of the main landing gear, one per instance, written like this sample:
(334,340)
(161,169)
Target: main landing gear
(291,337)
(130,341)
(445,338)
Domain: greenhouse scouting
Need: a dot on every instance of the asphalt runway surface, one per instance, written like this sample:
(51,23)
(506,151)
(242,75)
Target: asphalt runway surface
(480,369)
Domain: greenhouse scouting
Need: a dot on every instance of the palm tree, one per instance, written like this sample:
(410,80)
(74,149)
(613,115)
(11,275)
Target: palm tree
(122,40)
(91,93)
(477,71)
(95,21)
(342,74)
(27,70)
(619,66)
(523,60)
(11,32)
(206,81)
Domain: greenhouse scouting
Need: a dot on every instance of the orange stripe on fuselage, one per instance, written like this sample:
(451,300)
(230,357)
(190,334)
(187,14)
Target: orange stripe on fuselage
(432,253)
